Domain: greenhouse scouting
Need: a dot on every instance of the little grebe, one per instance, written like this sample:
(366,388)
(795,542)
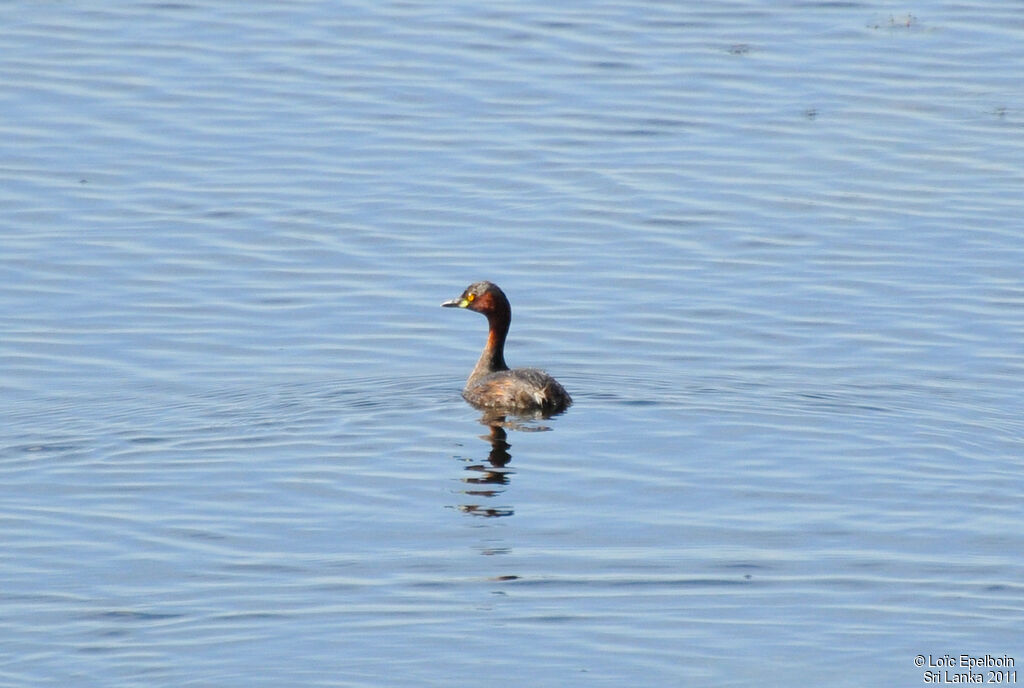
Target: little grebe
(492,385)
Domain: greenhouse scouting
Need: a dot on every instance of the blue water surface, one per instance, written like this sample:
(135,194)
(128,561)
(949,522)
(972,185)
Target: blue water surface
(772,249)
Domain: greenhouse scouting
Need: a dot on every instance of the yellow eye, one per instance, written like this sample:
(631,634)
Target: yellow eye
(470,297)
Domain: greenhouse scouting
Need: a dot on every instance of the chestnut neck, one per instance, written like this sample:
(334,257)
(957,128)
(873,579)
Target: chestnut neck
(493,357)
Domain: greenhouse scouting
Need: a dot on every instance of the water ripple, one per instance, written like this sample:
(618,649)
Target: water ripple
(773,251)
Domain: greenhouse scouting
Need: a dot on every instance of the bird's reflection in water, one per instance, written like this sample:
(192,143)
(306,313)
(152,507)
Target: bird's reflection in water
(489,479)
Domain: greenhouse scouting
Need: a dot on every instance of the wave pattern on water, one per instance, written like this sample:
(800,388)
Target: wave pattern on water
(772,250)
